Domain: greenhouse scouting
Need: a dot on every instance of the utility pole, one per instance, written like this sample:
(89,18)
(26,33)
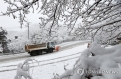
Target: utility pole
(28,28)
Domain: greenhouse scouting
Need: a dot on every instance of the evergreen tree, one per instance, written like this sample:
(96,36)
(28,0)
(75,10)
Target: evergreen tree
(3,40)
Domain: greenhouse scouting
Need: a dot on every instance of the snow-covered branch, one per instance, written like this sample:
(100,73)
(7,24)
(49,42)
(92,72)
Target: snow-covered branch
(103,24)
(93,14)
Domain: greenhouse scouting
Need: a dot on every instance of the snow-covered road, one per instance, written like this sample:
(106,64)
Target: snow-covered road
(48,63)
(64,46)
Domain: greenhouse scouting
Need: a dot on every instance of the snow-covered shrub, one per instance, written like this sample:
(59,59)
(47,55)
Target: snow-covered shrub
(23,70)
(18,45)
(103,65)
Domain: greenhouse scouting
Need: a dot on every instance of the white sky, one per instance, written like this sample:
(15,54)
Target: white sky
(9,23)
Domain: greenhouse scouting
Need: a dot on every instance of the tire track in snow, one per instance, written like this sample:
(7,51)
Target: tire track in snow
(41,64)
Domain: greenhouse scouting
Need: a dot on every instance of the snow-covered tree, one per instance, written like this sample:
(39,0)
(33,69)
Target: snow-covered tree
(97,17)
(3,40)
(40,35)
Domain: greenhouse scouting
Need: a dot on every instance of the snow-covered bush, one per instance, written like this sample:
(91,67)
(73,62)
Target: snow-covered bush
(18,45)
(23,70)
(103,65)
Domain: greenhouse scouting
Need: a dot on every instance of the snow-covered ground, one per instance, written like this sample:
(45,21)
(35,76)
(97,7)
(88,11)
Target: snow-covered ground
(71,42)
(48,63)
